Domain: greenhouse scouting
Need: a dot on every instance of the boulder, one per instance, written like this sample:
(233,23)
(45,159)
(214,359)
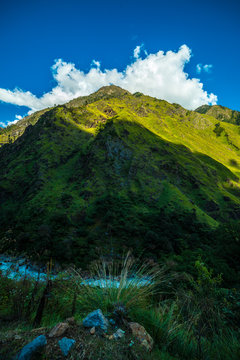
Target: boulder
(59,329)
(65,345)
(96,319)
(30,349)
(142,335)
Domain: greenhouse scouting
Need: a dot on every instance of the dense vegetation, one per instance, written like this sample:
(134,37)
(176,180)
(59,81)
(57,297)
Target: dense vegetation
(117,170)
(188,317)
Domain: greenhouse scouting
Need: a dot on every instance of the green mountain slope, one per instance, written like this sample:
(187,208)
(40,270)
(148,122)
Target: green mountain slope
(221,113)
(118,170)
(12,132)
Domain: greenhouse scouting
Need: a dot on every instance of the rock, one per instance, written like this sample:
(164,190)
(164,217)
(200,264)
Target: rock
(59,329)
(92,330)
(65,345)
(17,337)
(131,343)
(112,322)
(70,320)
(31,348)
(142,335)
(96,319)
(41,329)
(119,334)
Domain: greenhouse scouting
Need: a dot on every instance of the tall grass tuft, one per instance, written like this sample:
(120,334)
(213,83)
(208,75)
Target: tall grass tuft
(127,282)
(167,329)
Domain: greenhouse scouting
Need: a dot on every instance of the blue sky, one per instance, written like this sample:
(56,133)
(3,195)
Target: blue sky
(35,33)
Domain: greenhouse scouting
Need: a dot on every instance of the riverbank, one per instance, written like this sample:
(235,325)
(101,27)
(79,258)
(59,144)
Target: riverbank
(187,318)
(19,268)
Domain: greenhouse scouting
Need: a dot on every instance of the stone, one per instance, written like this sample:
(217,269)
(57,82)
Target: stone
(112,322)
(119,334)
(41,329)
(58,330)
(142,335)
(30,349)
(65,345)
(70,320)
(92,330)
(96,319)
(131,343)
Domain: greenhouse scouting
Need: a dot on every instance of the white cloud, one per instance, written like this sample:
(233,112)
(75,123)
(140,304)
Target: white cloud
(207,68)
(136,52)
(199,68)
(17,118)
(160,75)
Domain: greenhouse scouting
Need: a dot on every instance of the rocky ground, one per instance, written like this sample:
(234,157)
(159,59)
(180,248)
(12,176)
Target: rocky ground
(96,337)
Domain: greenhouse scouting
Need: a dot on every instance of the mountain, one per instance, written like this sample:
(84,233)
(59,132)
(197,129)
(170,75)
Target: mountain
(118,170)
(221,113)
(12,132)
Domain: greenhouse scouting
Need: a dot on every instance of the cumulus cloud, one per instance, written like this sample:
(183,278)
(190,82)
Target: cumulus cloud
(207,68)
(160,75)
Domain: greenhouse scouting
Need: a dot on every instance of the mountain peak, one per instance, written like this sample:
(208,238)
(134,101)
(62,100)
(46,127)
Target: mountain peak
(105,92)
(112,90)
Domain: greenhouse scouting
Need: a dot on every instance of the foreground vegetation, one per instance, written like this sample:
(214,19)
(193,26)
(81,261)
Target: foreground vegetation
(188,317)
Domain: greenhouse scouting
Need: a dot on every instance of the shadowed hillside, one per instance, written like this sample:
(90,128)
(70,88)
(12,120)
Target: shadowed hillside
(116,170)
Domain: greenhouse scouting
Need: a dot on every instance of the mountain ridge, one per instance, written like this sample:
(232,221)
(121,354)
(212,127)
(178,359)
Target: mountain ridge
(11,132)
(221,113)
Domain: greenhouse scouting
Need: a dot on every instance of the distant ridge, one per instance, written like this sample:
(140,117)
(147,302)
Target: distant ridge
(221,113)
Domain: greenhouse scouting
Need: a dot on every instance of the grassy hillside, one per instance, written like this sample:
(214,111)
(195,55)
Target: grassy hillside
(12,132)
(116,170)
(221,113)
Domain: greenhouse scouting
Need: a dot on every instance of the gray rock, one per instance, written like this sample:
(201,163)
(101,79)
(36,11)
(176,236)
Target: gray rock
(65,345)
(31,348)
(96,319)
(59,329)
(119,334)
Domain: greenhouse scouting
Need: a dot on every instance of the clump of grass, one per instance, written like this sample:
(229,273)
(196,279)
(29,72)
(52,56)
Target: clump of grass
(126,281)
(167,329)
